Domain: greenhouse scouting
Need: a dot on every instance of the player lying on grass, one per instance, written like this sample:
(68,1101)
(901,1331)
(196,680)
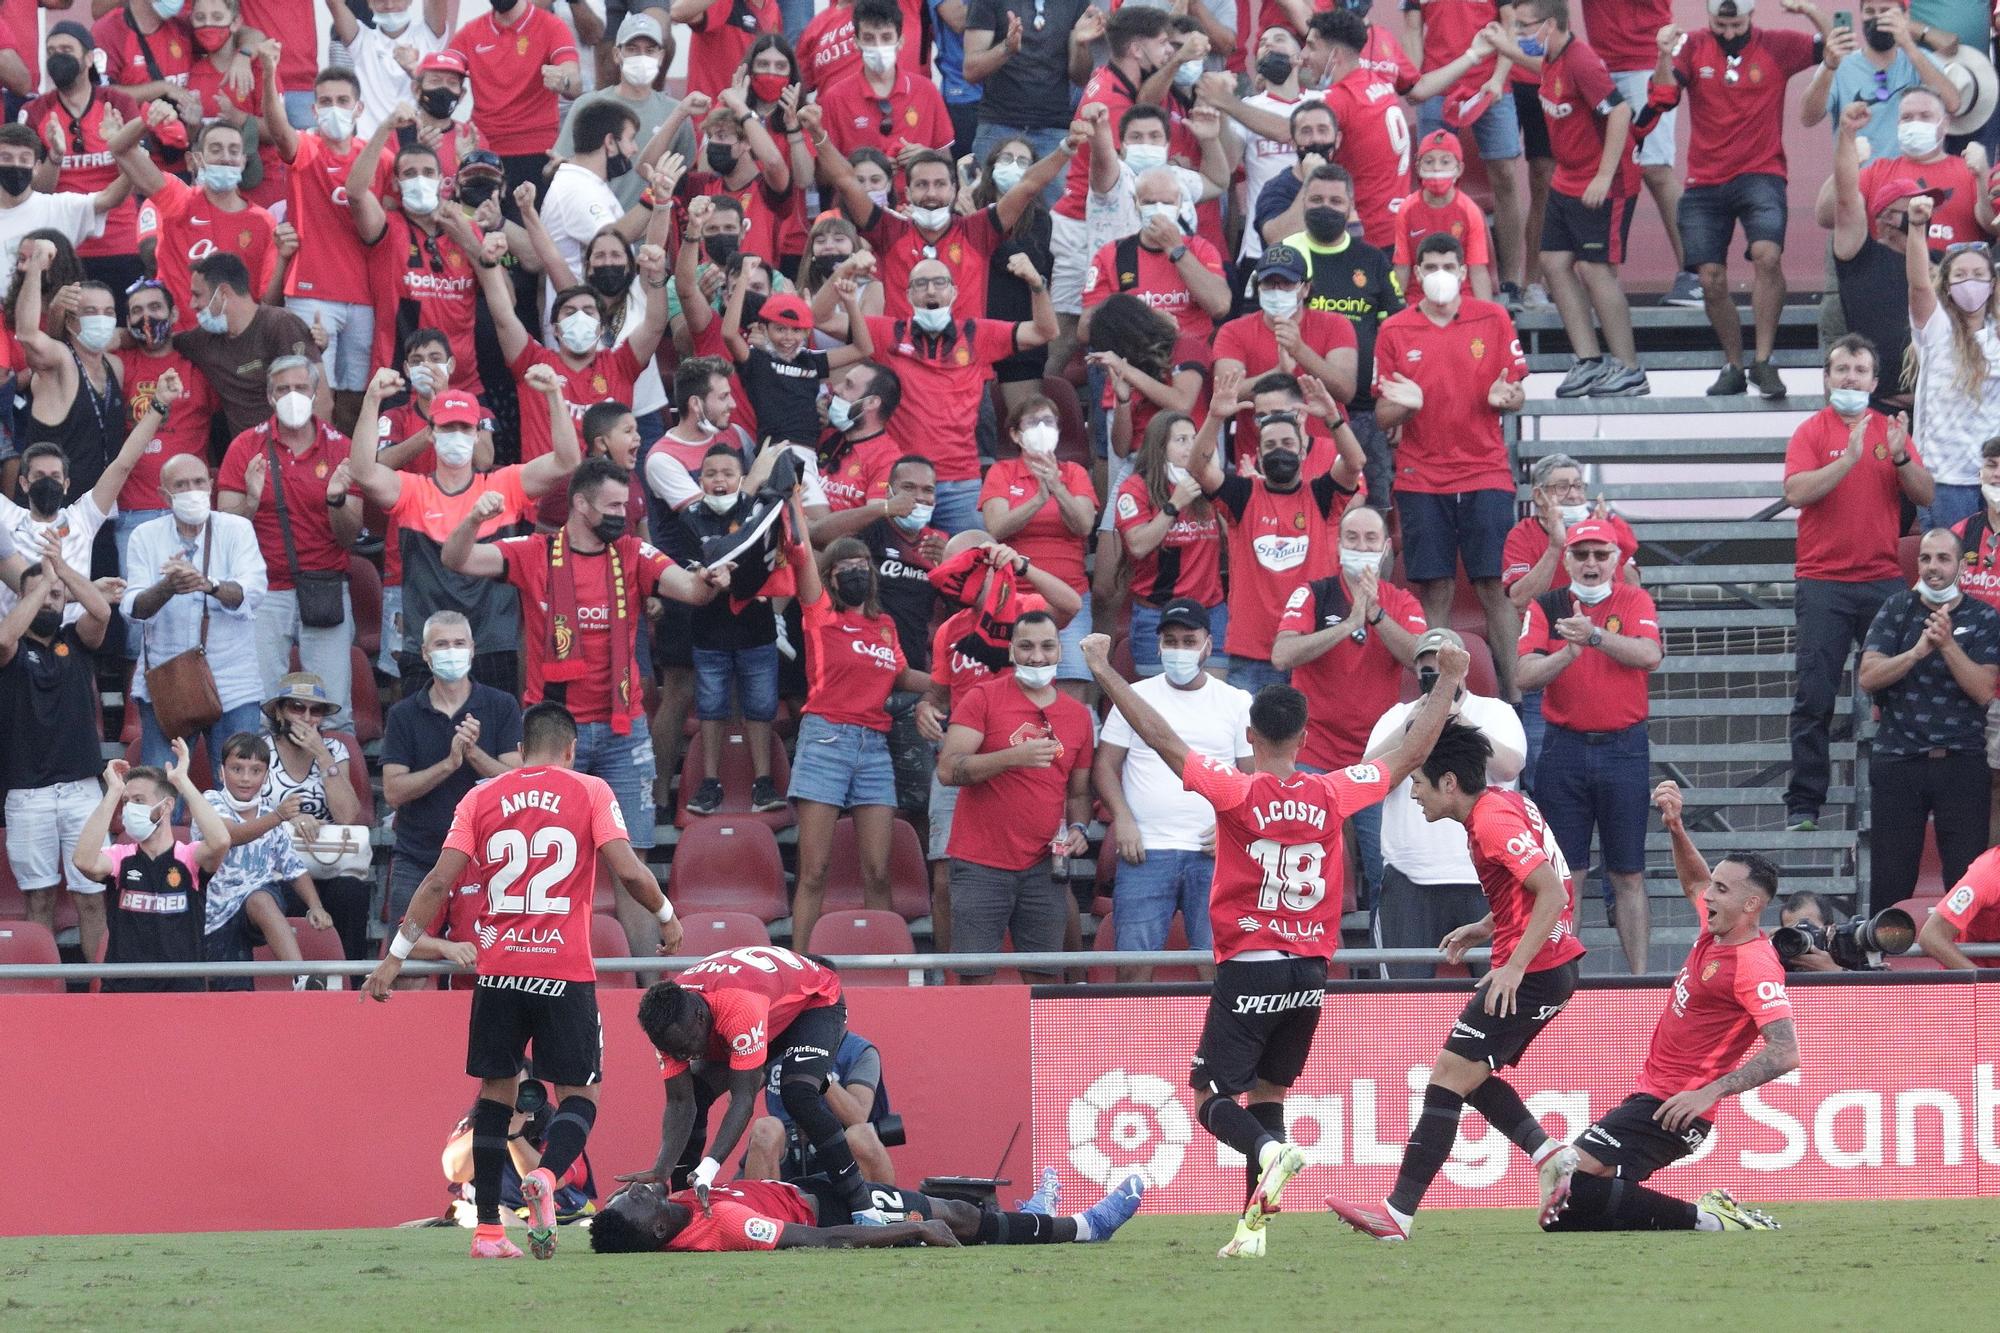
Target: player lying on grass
(1731,988)
(774,1215)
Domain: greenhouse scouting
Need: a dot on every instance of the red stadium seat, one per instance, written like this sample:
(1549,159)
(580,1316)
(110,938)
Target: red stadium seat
(909,873)
(24,942)
(737,772)
(364,587)
(315,945)
(1107,942)
(357,771)
(860,933)
(607,940)
(714,932)
(729,866)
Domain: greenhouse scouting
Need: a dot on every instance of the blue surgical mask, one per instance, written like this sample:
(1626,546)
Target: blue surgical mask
(1532,46)
(1187,73)
(390,23)
(1145,156)
(1848,402)
(915,520)
(1182,665)
(170,9)
(221,179)
(839,413)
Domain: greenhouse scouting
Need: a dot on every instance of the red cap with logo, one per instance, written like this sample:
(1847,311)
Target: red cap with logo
(455,407)
(1590,530)
(445,62)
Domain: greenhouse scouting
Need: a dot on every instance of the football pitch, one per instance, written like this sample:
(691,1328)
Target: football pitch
(1834,1266)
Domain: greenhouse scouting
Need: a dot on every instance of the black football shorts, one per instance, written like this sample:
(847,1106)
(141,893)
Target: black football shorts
(1260,1024)
(557,1019)
(1498,1042)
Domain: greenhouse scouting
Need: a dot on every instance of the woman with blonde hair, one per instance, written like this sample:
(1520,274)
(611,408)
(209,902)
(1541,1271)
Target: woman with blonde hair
(1957,389)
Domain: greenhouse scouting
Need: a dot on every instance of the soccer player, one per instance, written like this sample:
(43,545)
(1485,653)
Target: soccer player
(1535,948)
(1731,988)
(718,1027)
(776,1215)
(1274,908)
(534,837)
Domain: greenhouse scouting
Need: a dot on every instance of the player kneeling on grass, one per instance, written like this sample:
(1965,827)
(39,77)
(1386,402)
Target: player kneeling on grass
(1731,988)
(1274,905)
(774,1215)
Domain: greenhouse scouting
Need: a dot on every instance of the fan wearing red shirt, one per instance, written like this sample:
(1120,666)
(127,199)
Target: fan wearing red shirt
(1274,905)
(1526,882)
(185,223)
(145,56)
(1446,369)
(1281,336)
(744,163)
(428,281)
(519,59)
(537,837)
(879,104)
(826,49)
(1532,562)
(1044,509)
(1171,271)
(70,120)
(1440,206)
(1730,990)
(1374,132)
(1969,914)
(719,36)
(1172,536)
(1948,177)
(149,320)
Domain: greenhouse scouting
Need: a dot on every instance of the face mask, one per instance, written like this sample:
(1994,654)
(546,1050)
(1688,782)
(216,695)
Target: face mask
(190,507)
(17,180)
(1145,157)
(504,6)
(1970,294)
(1148,213)
(392,23)
(1848,402)
(915,520)
(1275,68)
(821,270)
(476,192)
(879,59)
(720,249)
(851,586)
(212,38)
(1917,138)
(722,503)
(1878,39)
(451,664)
(1325,225)
(697,413)
(766,87)
(45,495)
(1590,594)
(1187,73)
(1039,438)
(150,330)
(930,219)
(63,69)
(1355,563)
(211,321)
(840,413)
(1176,474)
(1936,596)
(1732,46)
(1427,678)
(335,122)
(295,409)
(1532,46)
(139,821)
(879,198)
(721,158)
(1573,514)
(438,104)
(611,279)
(1441,287)
(454,447)
(616,164)
(170,9)
(609,528)
(1182,665)
(933,321)
(1035,677)
(220,178)
(1437,183)
(640,71)
(95,331)
(578,331)
(1006,175)
(1281,467)
(420,194)
(1992,494)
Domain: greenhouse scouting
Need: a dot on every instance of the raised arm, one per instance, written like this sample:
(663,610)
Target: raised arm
(207,820)
(363,204)
(1917,261)
(507,326)
(91,839)
(166,392)
(546,473)
(381,484)
(45,355)
(1690,866)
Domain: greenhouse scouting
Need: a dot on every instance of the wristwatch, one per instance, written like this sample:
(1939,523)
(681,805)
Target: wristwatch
(1170,509)
(1596,638)
(1178,253)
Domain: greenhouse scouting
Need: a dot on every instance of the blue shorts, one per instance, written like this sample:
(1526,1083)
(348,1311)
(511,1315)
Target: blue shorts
(1599,780)
(1071,637)
(1148,895)
(746,678)
(626,764)
(1439,530)
(1709,214)
(842,765)
(1497,133)
(1146,638)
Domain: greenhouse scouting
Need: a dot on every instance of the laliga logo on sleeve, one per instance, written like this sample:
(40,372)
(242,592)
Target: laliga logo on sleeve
(1961,899)
(761,1229)
(1144,1113)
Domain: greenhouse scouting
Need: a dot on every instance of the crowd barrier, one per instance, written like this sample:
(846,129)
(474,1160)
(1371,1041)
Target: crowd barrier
(150,1113)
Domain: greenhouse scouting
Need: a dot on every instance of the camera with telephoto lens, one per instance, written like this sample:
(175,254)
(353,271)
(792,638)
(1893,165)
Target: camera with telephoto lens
(1857,945)
(531,1097)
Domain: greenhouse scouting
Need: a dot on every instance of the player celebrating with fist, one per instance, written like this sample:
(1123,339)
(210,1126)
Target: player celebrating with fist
(1274,905)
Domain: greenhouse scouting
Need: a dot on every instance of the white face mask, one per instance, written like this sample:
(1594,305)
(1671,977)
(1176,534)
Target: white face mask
(722,503)
(335,122)
(578,331)
(1039,437)
(1991,492)
(879,198)
(1441,287)
(139,820)
(420,194)
(454,447)
(1936,596)
(421,382)
(879,59)
(1355,563)
(190,507)
(1590,594)
(1573,514)
(1182,665)
(1035,677)
(1148,212)
(1176,474)
(933,321)
(930,219)
(1278,303)
(294,409)
(394,21)
(1917,138)
(1145,157)
(639,71)
(451,664)
(96,331)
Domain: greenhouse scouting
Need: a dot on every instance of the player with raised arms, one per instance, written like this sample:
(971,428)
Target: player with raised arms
(1274,905)
(1731,988)
(534,836)
(1535,948)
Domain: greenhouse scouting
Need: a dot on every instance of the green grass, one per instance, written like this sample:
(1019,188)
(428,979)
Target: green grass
(1835,1266)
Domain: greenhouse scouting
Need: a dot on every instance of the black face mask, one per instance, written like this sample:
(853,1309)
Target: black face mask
(1878,39)
(17,180)
(150,330)
(63,69)
(1732,46)
(851,586)
(721,158)
(1325,224)
(46,623)
(1281,467)
(616,164)
(476,193)
(438,103)
(1275,68)
(609,528)
(504,6)
(611,279)
(45,495)
(720,249)
(1426,677)
(823,267)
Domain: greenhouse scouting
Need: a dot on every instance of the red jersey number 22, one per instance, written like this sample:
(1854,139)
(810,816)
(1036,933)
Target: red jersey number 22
(512,851)
(1294,874)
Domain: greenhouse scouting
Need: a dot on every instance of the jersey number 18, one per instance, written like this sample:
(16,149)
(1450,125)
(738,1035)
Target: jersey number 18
(1294,874)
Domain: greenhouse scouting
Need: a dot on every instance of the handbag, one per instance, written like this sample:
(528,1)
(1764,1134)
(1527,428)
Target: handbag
(185,702)
(341,851)
(319,591)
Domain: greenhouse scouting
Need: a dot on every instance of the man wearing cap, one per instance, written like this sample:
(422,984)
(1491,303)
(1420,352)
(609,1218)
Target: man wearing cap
(1446,369)
(438,85)
(1873,66)
(641,47)
(1440,206)
(69,120)
(1590,648)
(1429,886)
(1870,261)
(1955,182)
(1166,835)
(1733,75)
(1284,334)
(382,56)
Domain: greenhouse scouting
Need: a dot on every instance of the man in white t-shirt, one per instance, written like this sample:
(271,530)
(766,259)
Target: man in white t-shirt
(1262,122)
(1429,887)
(73,527)
(579,202)
(1166,834)
(23,208)
(385,56)
(1111,210)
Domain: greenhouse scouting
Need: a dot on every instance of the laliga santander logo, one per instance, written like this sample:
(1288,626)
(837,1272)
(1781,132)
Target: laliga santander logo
(1143,1111)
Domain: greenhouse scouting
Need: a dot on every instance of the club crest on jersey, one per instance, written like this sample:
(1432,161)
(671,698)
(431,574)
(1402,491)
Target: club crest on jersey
(565,635)
(1708,973)
(1478,348)
(1612,624)
(1881,451)
(319,470)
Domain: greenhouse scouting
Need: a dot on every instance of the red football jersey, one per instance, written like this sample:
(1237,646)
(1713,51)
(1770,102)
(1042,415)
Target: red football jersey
(1528,539)
(594,697)
(1979,576)
(1973,905)
(861,474)
(1723,995)
(1458,217)
(944,381)
(1278,856)
(1187,563)
(1277,541)
(852,661)
(1957,191)
(1157,282)
(427,275)
(965,248)
(1009,820)
(1577,96)
(516,111)
(958,671)
(533,835)
(914,111)
(185,432)
(332,264)
(1453,443)
(1375,149)
(753,994)
(1851,534)
(186,227)
(1736,104)
(1354,682)
(1595,693)
(87,167)
(1117,94)
(742,1215)
(1509,841)
(1044,539)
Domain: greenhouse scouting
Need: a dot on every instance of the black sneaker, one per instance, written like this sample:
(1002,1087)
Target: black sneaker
(764,796)
(707,798)
(1729,384)
(1765,376)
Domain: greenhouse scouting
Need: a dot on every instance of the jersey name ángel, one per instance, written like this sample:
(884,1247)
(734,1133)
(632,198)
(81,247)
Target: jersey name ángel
(1724,994)
(753,994)
(1509,841)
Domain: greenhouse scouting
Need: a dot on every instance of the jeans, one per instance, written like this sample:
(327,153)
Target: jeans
(1833,620)
(406,876)
(626,764)
(1906,794)
(1043,141)
(1536,728)
(1597,781)
(795,15)
(324,652)
(1071,638)
(392,632)
(745,679)
(156,749)
(957,506)
(1950,505)
(350,338)
(1253,674)
(1148,895)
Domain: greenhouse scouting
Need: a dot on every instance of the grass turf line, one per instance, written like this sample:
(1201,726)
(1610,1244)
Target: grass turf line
(1835,1266)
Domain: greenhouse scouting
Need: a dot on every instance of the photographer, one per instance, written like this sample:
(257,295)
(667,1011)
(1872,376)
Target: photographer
(527,1135)
(855,1095)
(1812,914)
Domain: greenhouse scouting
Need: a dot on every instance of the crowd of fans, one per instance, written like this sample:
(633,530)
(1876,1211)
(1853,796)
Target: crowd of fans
(831,402)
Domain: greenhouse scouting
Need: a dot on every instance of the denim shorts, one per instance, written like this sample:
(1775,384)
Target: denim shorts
(1598,781)
(1439,529)
(1709,214)
(1071,637)
(944,804)
(626,764)
(746,678)
(1146,638)
(1497,133)
(1148,894)
(842,765)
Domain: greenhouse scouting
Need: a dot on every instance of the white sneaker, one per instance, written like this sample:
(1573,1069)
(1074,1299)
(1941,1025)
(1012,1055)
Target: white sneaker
(1537,298)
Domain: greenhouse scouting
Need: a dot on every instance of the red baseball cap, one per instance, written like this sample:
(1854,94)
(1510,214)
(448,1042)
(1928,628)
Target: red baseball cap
(1441,141)
(1590,530)
(445,62)
(787,311)
(1894,191)
(1460,111)
(455,407)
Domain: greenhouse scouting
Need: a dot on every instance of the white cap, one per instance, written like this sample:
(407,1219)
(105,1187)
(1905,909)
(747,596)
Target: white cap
(1736,8)
(645,25)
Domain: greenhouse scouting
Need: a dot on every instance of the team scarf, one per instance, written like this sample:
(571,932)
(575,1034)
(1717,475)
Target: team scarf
(995,601)
(562,659)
